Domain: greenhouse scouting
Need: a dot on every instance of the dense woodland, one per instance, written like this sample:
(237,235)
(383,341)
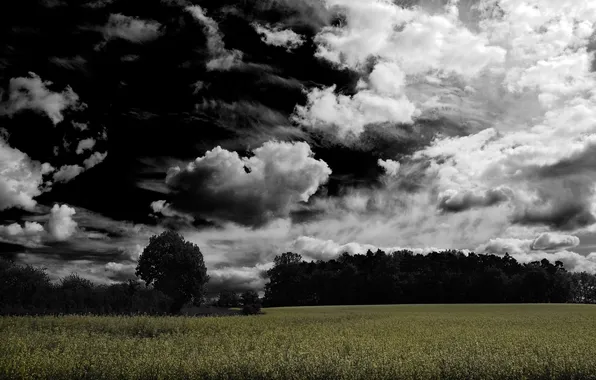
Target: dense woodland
(439,277)
(372,278)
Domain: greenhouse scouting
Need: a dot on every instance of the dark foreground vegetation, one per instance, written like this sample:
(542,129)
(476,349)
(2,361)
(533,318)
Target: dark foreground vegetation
(27,290)
(172,278)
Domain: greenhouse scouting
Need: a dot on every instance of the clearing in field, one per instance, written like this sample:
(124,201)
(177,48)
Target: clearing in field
(345,342)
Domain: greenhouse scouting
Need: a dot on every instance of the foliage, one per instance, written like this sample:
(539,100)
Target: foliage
(251,303)
(251,309)
(26,290)
(583,287)
(403,277)
(23,288)
(175,267)
(250,297)
(228,298)
(348,342)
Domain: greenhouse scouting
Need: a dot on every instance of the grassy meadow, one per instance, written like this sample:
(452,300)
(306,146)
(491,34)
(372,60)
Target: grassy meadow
(352,342)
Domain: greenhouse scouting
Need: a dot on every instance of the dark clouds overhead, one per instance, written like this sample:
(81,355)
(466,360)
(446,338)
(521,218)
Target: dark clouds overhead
(251,125)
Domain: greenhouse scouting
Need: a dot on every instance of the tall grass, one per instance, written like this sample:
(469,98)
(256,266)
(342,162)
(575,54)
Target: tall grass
(356,342)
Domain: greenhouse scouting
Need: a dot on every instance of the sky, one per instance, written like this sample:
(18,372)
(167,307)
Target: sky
(257,127)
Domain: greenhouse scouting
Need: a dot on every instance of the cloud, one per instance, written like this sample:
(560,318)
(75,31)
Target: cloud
(391,167)
(348,115)
(553,241)
(221,58)
(318,249)
(28,235)
(31,93)
(131,29)
(173,219)
(98,4)
(419,41)
(523,251)
(222,186)
(380,99)
(95,159)
(501,246)
(86,144)
(61,226)
(80,126)
(238,279)
(283,38)
(67,173)
(20,178)
(119,271)
(302,13)
(543,159)
(58,268)
(159,206)
(454,201)
(251,123)
(412,63)
(71,63)
(520,249)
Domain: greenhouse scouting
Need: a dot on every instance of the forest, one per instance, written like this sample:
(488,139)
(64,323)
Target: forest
(403,277)
(362,279)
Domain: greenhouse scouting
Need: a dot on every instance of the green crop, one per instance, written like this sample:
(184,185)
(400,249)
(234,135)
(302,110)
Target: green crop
(346,342)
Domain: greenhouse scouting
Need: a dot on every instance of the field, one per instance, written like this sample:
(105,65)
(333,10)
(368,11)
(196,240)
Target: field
(356,342)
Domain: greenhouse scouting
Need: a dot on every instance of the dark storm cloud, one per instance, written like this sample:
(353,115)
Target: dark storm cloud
(561,202)
(583,161)
(141,68)
(564,191)
(462,201)
(565,216)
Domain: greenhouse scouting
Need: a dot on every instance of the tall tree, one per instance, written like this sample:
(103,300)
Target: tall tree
(175,267)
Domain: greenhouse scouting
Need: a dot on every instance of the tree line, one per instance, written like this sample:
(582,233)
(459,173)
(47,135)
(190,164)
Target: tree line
(27,290)
(438,277)
(171,274)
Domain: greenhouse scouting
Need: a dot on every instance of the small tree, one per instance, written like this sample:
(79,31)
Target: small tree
(250,297)
(175,267)
(250,302)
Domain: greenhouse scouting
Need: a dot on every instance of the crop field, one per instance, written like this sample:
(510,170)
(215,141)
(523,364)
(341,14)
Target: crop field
(355,342)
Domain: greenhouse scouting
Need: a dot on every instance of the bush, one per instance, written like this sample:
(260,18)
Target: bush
(252,309)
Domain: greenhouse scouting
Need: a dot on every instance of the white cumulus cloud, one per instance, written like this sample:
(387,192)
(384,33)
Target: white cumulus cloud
(252,191)
(67,173)
(28,235)
(61,226)
(391,167)
(31,93)
(279,37)
(20,178)
(85,144)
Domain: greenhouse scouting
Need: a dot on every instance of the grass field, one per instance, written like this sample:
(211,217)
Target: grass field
(356,342)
